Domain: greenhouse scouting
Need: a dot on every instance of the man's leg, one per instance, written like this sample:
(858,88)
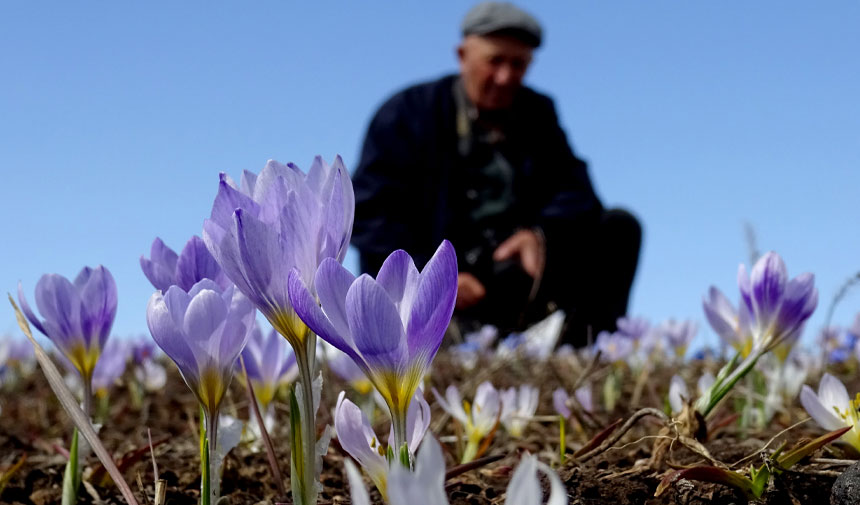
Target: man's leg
(593,286)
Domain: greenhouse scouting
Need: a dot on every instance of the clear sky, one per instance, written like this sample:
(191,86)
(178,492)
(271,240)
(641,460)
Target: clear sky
(698,116)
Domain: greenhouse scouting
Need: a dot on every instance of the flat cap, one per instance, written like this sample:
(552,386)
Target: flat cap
(502,18)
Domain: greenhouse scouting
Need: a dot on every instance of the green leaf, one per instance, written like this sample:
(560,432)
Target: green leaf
(205,482)
(562,442)
(405,460)
(759,479)
(297,461)
(789,459)
(709,474)
(71,477)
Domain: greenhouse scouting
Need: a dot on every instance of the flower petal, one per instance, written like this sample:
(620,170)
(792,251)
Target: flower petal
(559,402)
(832,393)
(799,302)
(356,437)
(823,414)
(196,263)
(428,480)
(767,280)
(168,335)
(228,199)
(452,403)
(434,303)
(160,268)
(98,294)
(205,315)
(524,487)
(399,277)
(377,331)
(308,311)
(357,492)
(59,303)
(25,307)
(721,315)
(332,282)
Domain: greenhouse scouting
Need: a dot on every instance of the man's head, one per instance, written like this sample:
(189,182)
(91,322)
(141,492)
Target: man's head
(498,41)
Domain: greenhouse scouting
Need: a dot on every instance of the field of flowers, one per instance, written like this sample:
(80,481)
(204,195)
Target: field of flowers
(359,392)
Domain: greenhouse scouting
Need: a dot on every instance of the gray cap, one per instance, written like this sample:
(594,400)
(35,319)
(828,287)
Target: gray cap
(502,18)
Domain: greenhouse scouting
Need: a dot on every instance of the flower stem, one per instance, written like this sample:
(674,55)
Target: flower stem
(398,424)
(87,403)
(307,470)
(720,390)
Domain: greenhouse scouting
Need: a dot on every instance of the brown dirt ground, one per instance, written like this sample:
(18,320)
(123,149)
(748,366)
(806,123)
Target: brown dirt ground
(33,424)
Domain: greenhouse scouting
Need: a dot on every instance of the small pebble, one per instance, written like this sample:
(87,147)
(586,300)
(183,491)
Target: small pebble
(846,489)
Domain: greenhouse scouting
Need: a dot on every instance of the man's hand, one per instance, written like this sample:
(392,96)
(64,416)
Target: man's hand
(470,291)
(528,245)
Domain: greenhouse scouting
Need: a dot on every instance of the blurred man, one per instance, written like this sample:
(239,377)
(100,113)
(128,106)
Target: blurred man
(481,160)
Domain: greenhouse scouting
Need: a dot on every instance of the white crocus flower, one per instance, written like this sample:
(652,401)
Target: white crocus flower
(678,394)
(525,487)
(518,408)
(477,419)
(832,408)
(426,482)
(426,485)
(357,437)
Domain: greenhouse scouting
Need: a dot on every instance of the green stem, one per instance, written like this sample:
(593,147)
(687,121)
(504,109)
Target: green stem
(706,404)
(398,424)
(471,451)
(307,470)
(88,398)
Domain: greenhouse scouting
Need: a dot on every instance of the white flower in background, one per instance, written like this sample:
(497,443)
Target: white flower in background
(518,408)
(678,391)
(525,487)
(478,420)
(705,382)
(426,485)
(357,437)
(151,375)
(832,408)
(678,394)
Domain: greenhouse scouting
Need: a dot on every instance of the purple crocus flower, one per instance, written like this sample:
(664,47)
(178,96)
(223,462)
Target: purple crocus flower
(633,327)
(77,316)
(390,326)
(269,361)
(678,334)
(614,347)
(732,326)
(778,307)
(203,332)
(344,367)
(279,220)
(111,366)
(193,264)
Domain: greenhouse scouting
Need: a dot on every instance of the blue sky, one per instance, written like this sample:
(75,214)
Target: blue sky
(699,117)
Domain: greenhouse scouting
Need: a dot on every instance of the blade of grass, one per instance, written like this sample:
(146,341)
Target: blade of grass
(70,405)
(71,482)
(708,474)
(7,475)
(788,459)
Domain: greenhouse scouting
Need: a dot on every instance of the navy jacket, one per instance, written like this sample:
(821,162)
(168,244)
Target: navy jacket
(406,184)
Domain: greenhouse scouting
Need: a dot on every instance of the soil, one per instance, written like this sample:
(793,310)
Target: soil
(32,424)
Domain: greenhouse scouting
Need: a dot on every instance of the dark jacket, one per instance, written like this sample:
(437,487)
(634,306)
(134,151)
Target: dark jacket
(407,188)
